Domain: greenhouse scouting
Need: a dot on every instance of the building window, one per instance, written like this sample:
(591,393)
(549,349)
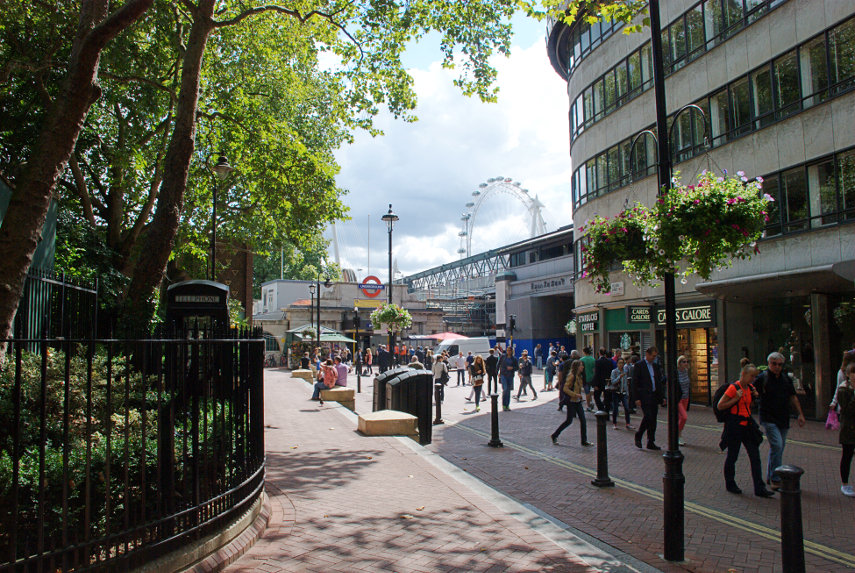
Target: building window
(814,71)
(787,92)
(846,179)
(841,47)
(794,199)
(740,106)
(823,196)
(761,87)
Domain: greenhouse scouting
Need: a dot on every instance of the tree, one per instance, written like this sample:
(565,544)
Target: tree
(54,139)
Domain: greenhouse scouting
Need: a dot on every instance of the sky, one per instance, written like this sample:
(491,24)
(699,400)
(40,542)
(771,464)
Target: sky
(428,169)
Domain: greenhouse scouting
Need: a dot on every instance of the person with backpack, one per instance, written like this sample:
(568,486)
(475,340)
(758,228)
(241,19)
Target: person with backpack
(573,387)
(741,429)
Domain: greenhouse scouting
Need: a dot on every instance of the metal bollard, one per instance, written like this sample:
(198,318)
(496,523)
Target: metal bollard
(495,442)
(603,479)
(792,536)
(437,388)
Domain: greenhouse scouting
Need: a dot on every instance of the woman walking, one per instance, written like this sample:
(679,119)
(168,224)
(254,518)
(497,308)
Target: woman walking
(685,387)
(573,389)
(440,375)
(846,401)
(479,370)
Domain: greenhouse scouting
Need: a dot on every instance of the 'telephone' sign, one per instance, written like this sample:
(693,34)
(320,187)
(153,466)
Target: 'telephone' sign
(693,315)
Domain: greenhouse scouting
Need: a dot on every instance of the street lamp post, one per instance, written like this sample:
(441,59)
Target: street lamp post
(673,481)
(390,217)
(312,305)
(357,355)
(327,284)
(222,170)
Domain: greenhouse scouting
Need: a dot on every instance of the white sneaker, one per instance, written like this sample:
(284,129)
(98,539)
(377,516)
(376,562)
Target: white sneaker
(847,490)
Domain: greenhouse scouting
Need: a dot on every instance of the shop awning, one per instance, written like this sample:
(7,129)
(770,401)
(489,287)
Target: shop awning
(336,337)
(796,282)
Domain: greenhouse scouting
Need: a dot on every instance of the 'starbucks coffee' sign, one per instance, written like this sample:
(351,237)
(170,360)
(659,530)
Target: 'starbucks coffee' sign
(691,315)
(588,322)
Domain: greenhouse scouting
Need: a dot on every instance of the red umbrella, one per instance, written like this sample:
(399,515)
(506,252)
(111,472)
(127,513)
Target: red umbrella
(446,336)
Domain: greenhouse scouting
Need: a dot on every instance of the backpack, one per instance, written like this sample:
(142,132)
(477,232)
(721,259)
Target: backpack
(720,415)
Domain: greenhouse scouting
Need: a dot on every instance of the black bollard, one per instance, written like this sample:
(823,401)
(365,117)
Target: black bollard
(603,479)
(495,442)
(437,389)
(792,536)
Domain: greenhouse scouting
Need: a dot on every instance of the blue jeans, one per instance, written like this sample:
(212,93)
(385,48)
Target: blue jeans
(318,387)
(777,437)
(507,390)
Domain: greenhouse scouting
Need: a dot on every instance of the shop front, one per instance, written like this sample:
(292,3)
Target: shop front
(629,329)
(588,325)
(697,340)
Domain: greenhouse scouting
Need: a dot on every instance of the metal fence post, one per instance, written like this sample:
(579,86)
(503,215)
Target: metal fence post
(792,536)
(437,390)
(603,479)
(494,442)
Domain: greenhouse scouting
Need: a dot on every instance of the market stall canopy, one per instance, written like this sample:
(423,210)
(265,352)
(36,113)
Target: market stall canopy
(336,337)
(301,329)
(446,336)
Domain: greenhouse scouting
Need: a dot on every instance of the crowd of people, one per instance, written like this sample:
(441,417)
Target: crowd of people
(633,383)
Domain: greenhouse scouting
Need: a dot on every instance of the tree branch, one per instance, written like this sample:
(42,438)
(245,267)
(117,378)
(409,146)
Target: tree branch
(302,18)
(142,80)
(227,117)
(81,189)
(117,22)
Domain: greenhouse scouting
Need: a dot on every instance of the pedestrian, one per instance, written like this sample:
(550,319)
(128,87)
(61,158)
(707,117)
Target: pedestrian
(326,379)
(572,388)
(525,375)
(588,360)
(479,371)
(685,389)
(538,356)
(469,361)
(777,396)
(648,389)
(549,372)
(508,365)
(458,363)
(602,375)
(440,376)
(384,359)
(741,430)
(848,358)
(492,365)
(304,361)
(428,358)
(341,372)
(846,400)
(618,387)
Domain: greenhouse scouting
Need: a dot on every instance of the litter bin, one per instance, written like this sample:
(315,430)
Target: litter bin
(380,382)
(410,391)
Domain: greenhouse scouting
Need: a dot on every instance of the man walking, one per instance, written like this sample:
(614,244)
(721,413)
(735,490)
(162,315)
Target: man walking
(648,390)
(602,376)
(588,361)
(777,396)
(460,366)
(492,365)
(538,357)
(525,375)
(508,365)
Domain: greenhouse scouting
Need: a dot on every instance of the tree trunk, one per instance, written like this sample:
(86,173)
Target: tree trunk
(25,217)
(159,240)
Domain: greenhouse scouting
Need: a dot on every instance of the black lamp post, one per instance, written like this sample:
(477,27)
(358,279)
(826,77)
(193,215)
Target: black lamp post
(390,217)
(357,355)
(222,170)
(673,481)
(317,285)
(312,305)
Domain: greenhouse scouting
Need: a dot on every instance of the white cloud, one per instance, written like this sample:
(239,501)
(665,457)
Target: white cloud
(428,169)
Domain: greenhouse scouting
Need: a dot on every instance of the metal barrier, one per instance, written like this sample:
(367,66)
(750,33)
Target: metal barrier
(116,452)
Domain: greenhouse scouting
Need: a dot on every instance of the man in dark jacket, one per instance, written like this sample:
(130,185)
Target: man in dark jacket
(602,375)
(508,366)
(648,391)
(491,364)
(384,359)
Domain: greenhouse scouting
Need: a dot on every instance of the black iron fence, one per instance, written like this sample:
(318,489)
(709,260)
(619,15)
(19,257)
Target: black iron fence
(115,452)
(55,305)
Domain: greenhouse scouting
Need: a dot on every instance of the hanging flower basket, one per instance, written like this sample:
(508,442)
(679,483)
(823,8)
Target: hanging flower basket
(699,228)
(711,223)
(393,316)
(612,241)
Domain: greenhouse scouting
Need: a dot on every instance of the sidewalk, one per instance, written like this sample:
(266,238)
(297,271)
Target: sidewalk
(344,502)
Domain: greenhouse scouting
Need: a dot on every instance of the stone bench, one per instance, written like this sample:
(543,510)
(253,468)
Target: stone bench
(304,374)
(344,396)
(388,423)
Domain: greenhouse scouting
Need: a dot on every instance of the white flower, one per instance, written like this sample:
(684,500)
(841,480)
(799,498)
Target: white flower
(741,173)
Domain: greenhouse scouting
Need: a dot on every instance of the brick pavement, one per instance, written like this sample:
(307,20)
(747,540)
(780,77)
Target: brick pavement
(723,532)
(344,502)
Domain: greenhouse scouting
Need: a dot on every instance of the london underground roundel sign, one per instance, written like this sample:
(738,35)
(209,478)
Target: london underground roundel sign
(371,286)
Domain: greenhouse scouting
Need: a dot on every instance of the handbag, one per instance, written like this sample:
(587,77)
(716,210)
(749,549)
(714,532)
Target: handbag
(832,422)
(754,432)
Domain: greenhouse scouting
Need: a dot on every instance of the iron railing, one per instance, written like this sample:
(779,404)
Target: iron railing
(56,305)
(116,452)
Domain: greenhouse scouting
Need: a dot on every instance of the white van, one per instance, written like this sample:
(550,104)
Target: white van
(478,345)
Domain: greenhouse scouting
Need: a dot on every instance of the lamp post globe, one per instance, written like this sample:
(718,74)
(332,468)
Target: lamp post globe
(222,170)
